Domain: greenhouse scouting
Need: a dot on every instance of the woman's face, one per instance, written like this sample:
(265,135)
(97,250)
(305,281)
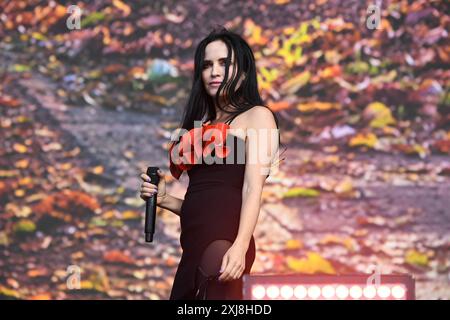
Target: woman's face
(213,72)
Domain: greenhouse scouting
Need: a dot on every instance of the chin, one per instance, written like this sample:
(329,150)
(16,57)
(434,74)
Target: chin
(212,92)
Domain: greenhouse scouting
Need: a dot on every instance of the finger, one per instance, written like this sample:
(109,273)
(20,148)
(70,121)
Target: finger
(225,275)
(160,173)
(149,192)
(224,269)
(149,189)
(145,177)
(149,185)
(239,273)
(229,272)
(224,263)
(235,272)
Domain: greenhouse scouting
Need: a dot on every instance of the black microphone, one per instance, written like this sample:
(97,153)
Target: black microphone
(150,206)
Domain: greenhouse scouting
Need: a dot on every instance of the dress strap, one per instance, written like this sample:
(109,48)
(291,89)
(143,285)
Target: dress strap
(232,118)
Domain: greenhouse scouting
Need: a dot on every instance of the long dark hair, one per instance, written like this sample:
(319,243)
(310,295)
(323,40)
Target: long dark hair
(201,106)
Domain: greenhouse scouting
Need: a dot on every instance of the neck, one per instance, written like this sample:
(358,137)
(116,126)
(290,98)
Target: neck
(219,112)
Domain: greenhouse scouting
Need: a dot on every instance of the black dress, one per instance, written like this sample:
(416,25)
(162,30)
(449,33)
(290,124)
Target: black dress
(211,211)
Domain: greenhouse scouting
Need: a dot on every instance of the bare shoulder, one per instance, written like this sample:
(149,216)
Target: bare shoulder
(255,117)
(260,117)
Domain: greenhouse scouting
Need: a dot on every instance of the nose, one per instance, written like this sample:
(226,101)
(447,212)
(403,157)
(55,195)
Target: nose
(215,70)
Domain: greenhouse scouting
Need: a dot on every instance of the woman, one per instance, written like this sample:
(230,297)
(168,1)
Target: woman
(220,209)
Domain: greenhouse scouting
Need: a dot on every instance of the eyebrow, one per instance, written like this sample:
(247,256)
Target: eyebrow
(223,58)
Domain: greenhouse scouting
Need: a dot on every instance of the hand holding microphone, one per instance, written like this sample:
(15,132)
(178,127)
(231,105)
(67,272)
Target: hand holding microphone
(148,189)
(153,181)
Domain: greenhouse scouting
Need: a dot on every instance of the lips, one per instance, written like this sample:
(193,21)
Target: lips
(214,83)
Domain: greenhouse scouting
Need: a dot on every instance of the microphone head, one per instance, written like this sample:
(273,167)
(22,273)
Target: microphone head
(152,172)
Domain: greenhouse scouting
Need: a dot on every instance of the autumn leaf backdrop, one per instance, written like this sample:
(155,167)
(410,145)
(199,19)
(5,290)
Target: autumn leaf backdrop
(364,113)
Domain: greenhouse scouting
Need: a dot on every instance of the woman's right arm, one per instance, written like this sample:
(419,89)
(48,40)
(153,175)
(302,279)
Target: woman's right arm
(171,203)
(163,199)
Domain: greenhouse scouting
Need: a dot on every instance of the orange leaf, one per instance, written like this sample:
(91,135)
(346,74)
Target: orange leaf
(8,101)
(333,239)
(118,256)
(20,148)
(364,139)
(39,272)
(280,105)
(130,215)
(22,164)
(293,244)
(330,72)
(122,6)
(442,146)
(317,106)
(41,296)
(114,68)
(98,170)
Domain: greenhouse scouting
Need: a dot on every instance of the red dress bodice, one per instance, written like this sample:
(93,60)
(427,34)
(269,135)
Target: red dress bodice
(196,144)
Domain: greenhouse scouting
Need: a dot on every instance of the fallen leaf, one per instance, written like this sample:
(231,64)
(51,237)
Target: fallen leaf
(292,85)
(122,6)
(8,293)
(39,272)
(19,193)
(8,101)
(376,220)
(416,258)
(301,192)
(41,296)
(379,114)
(364,139)
(417,149)
(280,105)
(98,170)
(347,242)
(4,241)
(53,146)
(20,148)
(20,212)
(22,164)
(254,34)
(344,186)
(442,146)
(117,256)
(131,215)
(294,244)
(317,106)
(312,264)
(24,226)
(330,72)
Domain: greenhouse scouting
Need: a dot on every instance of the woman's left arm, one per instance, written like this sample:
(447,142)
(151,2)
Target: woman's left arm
(261,149)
